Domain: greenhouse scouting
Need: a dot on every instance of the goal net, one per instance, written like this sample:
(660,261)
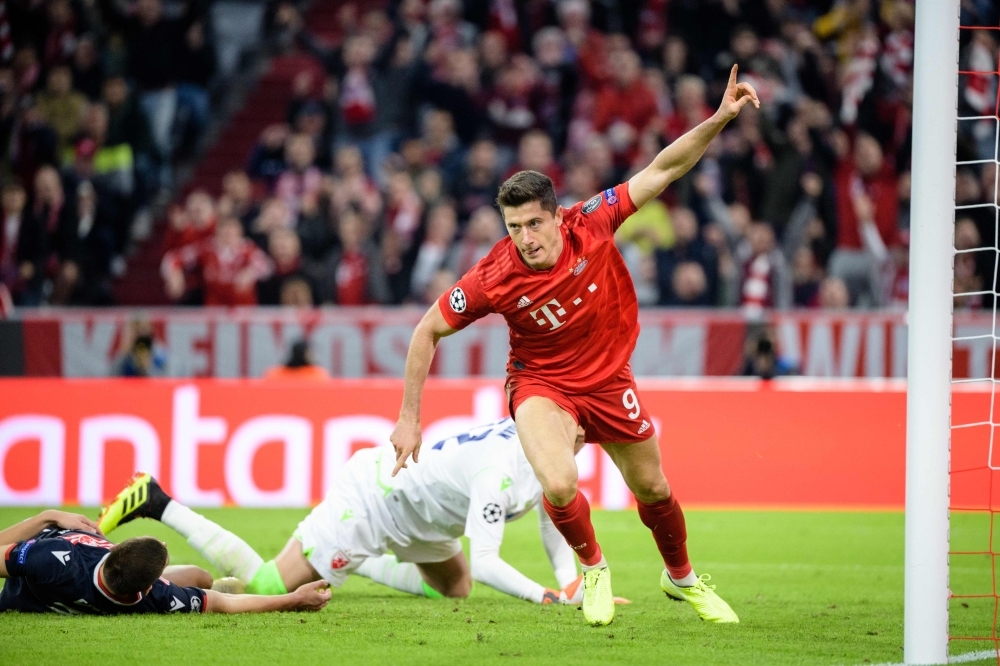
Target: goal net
(975,451)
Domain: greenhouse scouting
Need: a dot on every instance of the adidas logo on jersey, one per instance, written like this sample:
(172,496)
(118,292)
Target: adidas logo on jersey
(644,427)
(524,302)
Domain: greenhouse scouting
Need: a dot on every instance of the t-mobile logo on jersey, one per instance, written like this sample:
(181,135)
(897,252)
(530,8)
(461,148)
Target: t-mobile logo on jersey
(548,316)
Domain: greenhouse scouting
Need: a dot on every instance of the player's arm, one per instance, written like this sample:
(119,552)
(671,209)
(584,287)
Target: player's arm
(406,437)
(560,554)
(309,597)
(49,518)
(485,537)
(677,159)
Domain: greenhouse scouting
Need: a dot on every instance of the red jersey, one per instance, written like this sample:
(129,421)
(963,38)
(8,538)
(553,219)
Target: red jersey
(220,268)
(573,325)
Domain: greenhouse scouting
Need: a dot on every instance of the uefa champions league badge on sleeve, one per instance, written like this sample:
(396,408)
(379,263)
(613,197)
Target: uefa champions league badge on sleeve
(457,299)
(610,195)
(592,204)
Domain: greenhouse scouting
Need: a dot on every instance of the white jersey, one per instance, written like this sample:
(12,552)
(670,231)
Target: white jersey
(470,484)
(467,484)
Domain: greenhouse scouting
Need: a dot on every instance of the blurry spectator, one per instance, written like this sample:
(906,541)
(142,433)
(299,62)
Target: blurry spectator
(267,160)
(691,107)
(555,89)
(155,44)
(623,123)
(300,178)
(698,287)
(93,156)
(534,153)
(17,266)
(484,229)
(140,353)
(458,92)
(237,190)
(442,280)
(286,252)
(296,292)
(442,225)
(35,144)
(196,65)
(509,103)
(765,281)
(587,43)
(351,185)
(762,358)
(299,366)
(398,264)
(689,285)
(229,266)
(866,201)
(967,281)
(479,182)
(352,274)
(806,278)
(50,234)
(581,184)
(833,294)
(598,156)
(192,224)
(648,228)
(61,106)
(88,69)
(274,214)
(127,124)
(403,206)
(93,247)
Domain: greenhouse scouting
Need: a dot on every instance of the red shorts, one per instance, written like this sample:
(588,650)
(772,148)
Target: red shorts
(611,414)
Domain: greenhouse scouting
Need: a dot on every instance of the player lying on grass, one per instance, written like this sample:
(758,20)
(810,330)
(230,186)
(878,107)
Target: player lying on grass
(60,562)
(565,292)
(468,484)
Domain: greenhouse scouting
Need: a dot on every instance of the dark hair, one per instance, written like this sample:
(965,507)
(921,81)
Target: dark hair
(134,565)
(143,342)
(298,356)
(527,186)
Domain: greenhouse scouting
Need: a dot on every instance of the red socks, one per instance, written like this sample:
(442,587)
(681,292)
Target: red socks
(666,520)
(573,522)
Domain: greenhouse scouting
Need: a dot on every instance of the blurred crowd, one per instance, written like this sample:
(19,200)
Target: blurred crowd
(98,99)
(379,187)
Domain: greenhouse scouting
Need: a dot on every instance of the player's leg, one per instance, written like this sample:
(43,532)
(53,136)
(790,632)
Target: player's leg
(432,569)
(143,498)
(548,436)
(640,466)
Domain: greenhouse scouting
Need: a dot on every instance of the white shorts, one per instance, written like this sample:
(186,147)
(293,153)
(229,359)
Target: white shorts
(352,523)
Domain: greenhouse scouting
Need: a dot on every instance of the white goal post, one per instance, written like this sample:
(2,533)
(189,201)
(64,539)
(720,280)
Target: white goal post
(928,400)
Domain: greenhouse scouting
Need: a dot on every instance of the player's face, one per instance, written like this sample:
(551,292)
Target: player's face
(536,234)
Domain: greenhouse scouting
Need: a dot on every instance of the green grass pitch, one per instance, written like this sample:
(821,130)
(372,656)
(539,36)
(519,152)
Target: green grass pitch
(810,588)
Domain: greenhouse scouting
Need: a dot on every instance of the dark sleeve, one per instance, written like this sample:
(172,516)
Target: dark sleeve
(603,213)
(466,301)
(169,598)
(40,561)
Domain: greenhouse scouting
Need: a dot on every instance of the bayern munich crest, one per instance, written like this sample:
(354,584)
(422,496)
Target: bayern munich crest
(457,300)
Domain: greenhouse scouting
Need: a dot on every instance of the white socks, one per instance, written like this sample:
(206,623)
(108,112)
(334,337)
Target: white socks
(387,570)
(227,552)
(600,565)
(687,581)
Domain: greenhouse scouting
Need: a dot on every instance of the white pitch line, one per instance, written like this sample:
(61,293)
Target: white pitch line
(966,658)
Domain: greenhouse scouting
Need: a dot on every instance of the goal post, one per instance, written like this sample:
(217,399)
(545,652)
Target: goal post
(928,401)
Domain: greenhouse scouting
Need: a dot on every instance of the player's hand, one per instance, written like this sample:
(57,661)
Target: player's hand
(737,96)
(71,521)
(406,441)
(311,596)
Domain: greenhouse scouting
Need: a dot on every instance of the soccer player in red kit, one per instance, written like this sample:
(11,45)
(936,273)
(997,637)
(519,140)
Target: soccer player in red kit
(563,288)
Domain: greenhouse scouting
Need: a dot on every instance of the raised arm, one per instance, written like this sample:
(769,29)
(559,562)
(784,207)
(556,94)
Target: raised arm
(309,597)
(677,159)
(406,437)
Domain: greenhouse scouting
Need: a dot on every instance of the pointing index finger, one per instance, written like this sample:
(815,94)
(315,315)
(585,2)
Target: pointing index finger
(732,75)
